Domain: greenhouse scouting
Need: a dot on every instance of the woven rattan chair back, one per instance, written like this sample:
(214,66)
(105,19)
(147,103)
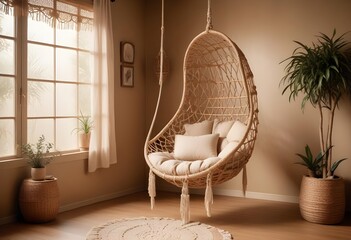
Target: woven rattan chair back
(218,84)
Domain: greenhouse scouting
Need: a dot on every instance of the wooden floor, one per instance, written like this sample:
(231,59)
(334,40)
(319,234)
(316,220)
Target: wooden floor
(246,219)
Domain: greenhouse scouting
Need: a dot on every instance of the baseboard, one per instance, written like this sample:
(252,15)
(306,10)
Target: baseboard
(98,199)
(257,195)
(239,193)
(71,206)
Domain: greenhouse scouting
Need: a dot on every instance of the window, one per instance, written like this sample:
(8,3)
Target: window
(45,72)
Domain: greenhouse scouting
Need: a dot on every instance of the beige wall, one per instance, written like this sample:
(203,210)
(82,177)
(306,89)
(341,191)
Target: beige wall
(77,187)
(264,30)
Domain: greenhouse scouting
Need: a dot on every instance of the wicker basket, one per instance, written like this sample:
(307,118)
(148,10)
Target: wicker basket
(39,200)
(322,200)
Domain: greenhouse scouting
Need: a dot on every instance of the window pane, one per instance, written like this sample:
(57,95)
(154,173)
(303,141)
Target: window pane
(40,31)
(7,99)
(7,137)
(38,127)
(40,62)
(66,99)
(86,39)
(66,65)
(67,37)
(85,67)
(84,99)
(7,56)
(40,99)
(7,24)
(66,136)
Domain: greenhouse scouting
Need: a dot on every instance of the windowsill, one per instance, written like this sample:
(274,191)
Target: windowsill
(66,157)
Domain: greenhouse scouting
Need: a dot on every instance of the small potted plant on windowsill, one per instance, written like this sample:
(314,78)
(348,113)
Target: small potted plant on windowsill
(38,156)
(322,74)
(84,131)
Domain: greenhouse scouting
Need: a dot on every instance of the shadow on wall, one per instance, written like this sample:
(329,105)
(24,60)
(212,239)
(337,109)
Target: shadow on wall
(278,142)
(342,141)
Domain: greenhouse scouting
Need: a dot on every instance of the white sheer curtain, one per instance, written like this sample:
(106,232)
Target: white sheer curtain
(102,150)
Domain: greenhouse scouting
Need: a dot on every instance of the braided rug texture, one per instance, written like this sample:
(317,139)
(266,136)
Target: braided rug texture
(155,228)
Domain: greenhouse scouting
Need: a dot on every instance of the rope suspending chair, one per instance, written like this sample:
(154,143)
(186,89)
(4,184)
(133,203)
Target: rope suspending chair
(218,88)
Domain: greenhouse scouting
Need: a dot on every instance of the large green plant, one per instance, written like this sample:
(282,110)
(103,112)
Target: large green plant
(322,74)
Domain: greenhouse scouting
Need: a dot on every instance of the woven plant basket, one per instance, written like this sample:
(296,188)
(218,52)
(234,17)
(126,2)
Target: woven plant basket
(39,200)
(322,200)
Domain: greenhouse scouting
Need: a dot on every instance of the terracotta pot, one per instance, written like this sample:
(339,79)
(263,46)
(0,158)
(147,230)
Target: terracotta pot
(84,141)
(322,200)
(38,174)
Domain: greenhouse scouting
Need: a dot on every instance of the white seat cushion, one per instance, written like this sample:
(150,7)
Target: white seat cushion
(186,160)
(165,162)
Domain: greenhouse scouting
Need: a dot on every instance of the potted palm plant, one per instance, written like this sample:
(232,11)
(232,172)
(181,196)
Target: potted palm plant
(84,131)
(38,156)
(321,73)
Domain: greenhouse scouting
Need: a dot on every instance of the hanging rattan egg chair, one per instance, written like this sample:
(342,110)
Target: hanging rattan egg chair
(218,86)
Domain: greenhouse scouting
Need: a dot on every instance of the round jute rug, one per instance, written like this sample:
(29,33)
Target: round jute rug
(155,228)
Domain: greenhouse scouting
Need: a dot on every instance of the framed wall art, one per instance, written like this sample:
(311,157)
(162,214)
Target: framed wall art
(127,76)
(127,52)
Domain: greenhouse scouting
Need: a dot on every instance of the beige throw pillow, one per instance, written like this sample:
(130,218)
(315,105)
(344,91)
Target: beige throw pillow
(236,132)
(222,127)
(228,149)
(197,129)
(195,147)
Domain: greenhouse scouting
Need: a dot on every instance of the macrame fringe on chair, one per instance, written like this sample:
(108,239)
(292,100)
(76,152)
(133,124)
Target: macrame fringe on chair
(208,195)
(218,85)
(152,188)
(185,203)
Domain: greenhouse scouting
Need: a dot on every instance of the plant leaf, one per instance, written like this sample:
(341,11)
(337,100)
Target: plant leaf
(336,164)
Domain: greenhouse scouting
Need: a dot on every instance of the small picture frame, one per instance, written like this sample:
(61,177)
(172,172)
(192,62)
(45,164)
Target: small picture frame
(127,52)
(127,76)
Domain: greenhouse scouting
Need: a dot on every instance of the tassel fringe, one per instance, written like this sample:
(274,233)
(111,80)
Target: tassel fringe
(7,7)
(185,203)
(208,195)
(244,181)
(152,188)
